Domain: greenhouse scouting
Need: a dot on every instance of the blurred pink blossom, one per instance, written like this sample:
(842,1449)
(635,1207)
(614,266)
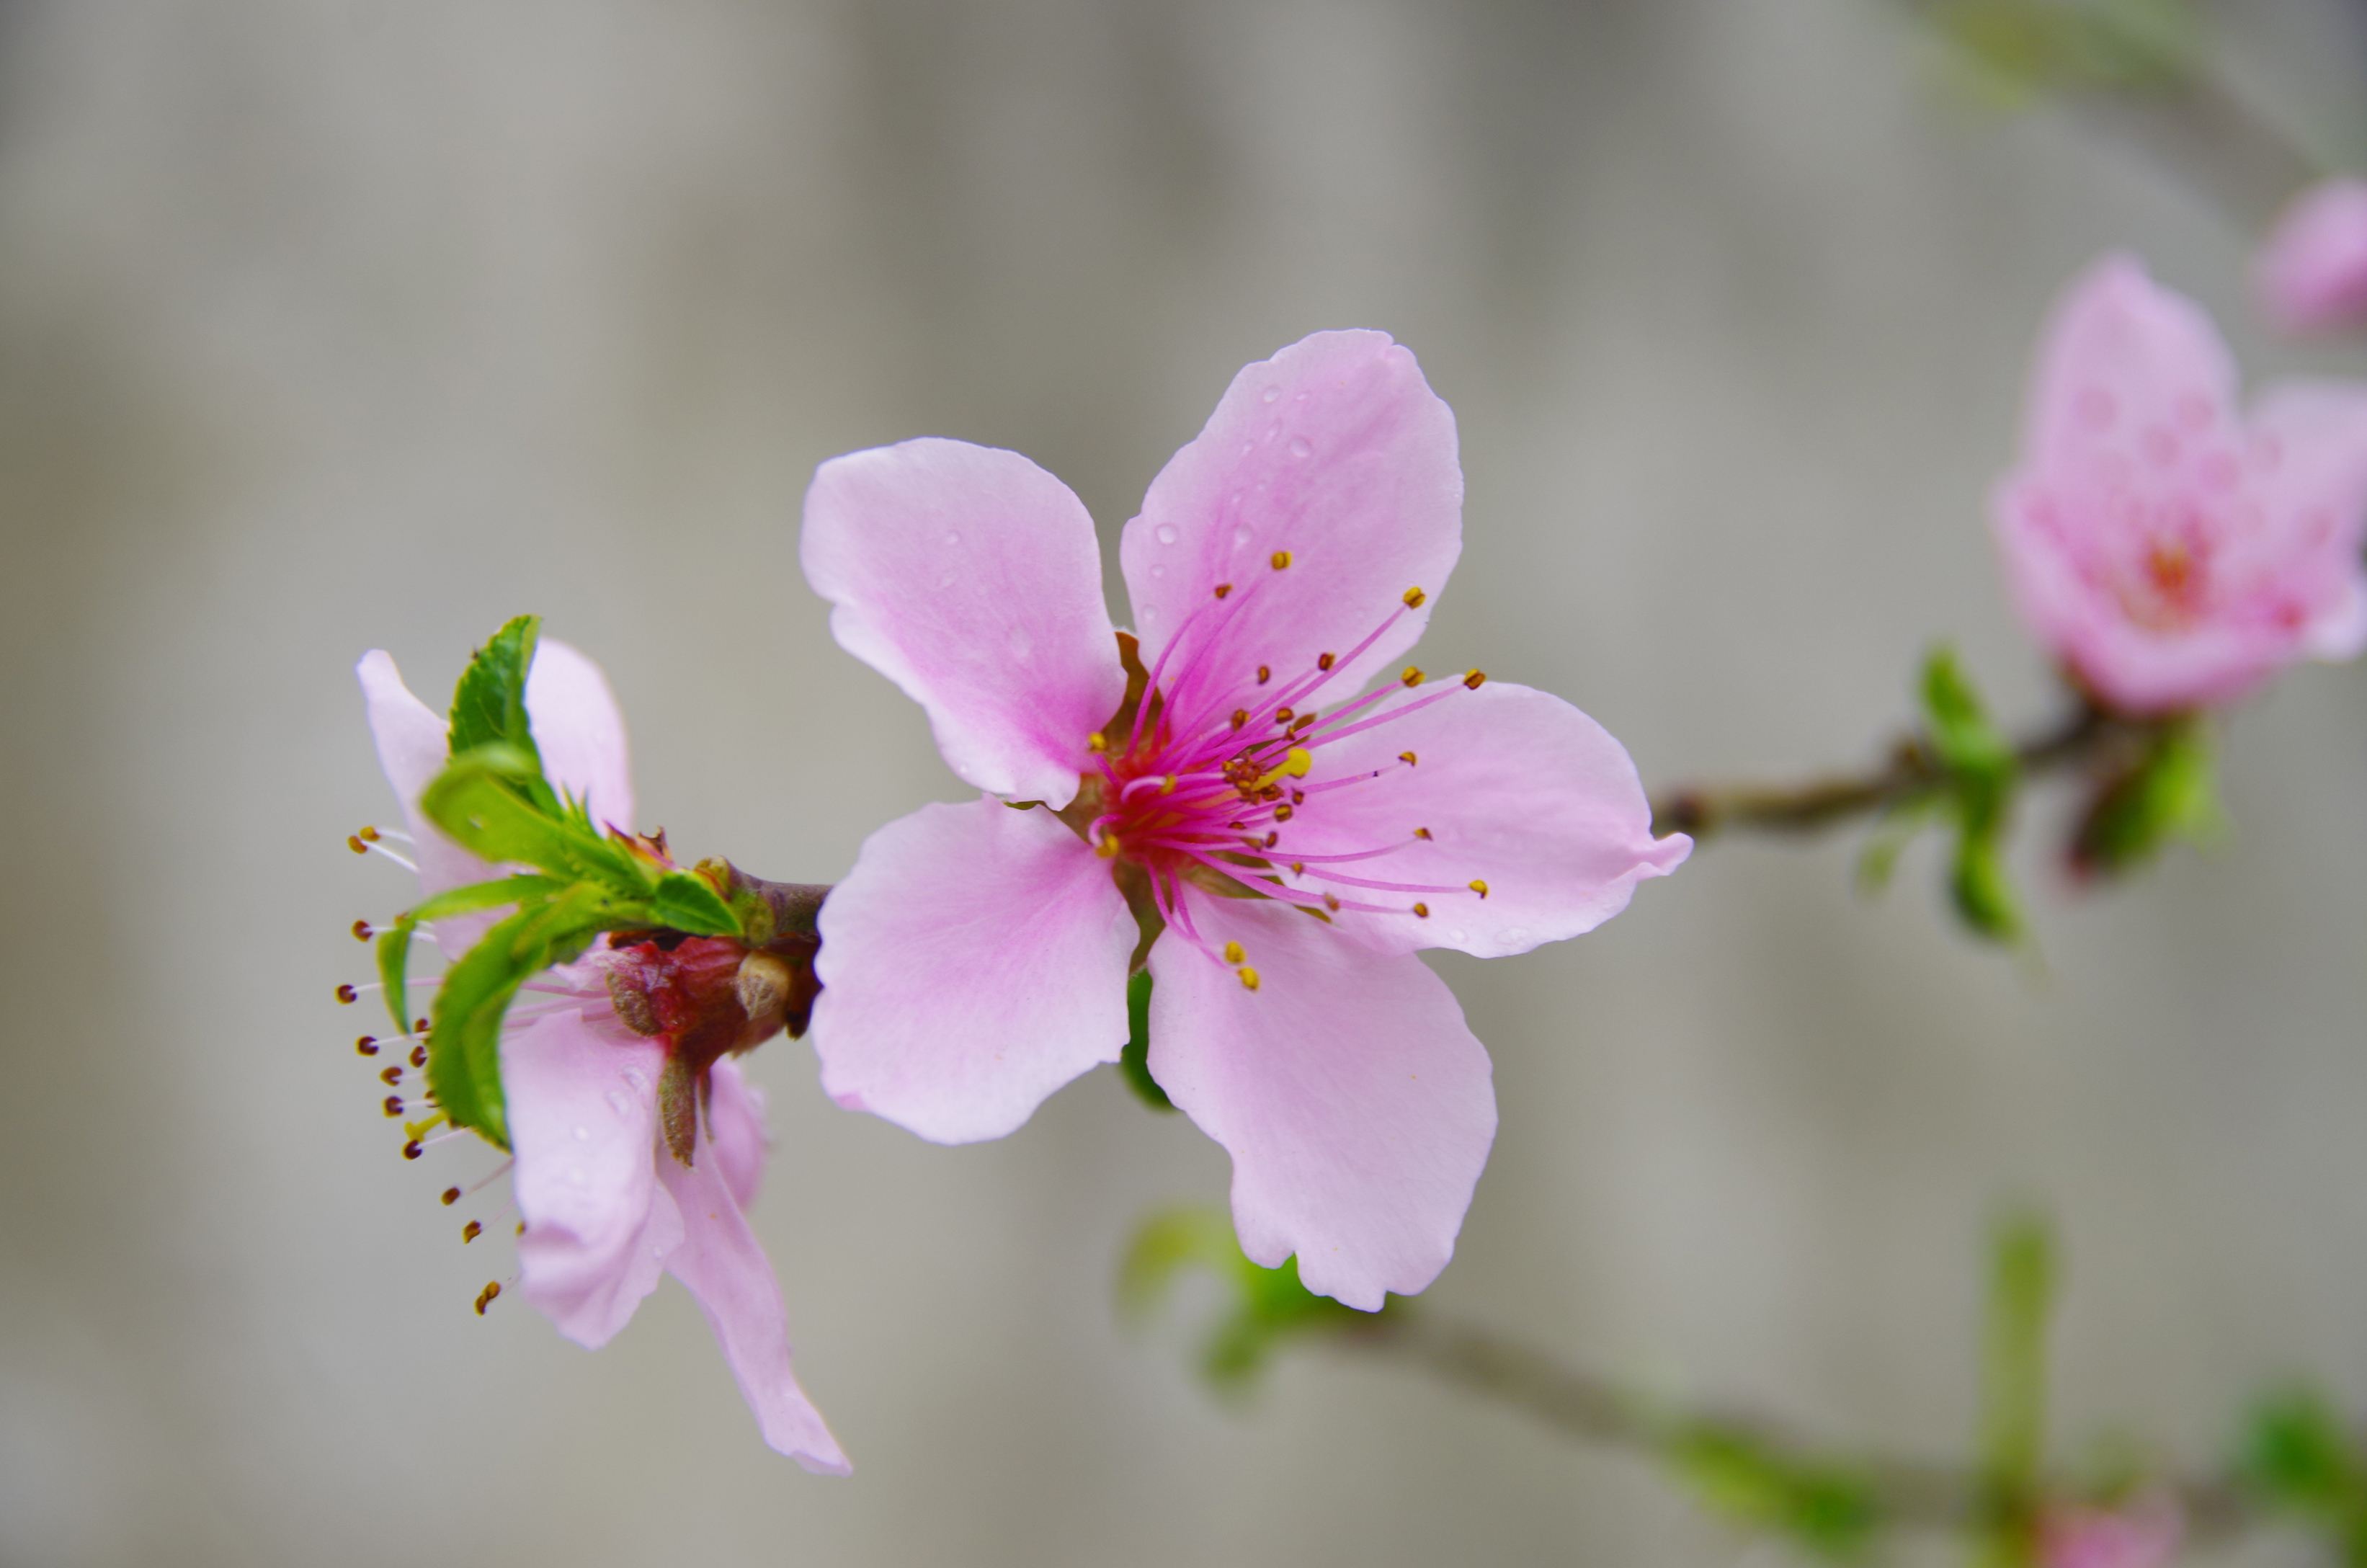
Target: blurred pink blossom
(607,1207)
(2142,1534)
(1296,843)
(2171,551)
(2312,273)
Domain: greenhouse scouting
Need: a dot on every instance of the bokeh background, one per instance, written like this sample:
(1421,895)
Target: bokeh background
(326,326)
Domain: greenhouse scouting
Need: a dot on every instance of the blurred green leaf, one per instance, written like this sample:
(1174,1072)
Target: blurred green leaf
(1825,1508)
(1265,1306)
(685,902)
(1133,1062)
(2169,794)
(2297,1455)
(2021,1291)
(2020,48)
(1980,777)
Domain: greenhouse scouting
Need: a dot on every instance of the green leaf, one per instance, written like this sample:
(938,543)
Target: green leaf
(2169,794)
(489,704)
(685,902)
(394,942)
(484,800)
(1892,834)
(464,1067)
(1133,1062)
(1825,1508)
(2297,1456)
(1980,777)
(1267,1307)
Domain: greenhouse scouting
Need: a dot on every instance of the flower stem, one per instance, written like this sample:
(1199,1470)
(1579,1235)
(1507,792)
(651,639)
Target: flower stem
(1912,770)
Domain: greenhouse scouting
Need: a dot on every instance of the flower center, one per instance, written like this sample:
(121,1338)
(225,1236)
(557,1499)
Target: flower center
(1206,780)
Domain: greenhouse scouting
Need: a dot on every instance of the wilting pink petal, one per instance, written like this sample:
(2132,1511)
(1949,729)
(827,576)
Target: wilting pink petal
(580,732)
(2172,554)
(1510,790)
(735,1117)
(972,963)
(582,1116)
(1336,450)
(1354,1102)
(722,1265)
(971,578)
(2312,273)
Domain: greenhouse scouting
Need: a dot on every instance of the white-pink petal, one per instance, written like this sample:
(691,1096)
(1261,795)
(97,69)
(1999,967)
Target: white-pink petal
(412,746)
(2312,273)
(735,1118)
(580,732)
(1336,451)
(1356,1103)
(1515,789)
(972,963)
(582,1120)
(971,578)
(722,1264)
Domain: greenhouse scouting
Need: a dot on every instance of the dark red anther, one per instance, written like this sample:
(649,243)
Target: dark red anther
(419,1056)
(362,931)
(485,1297)
(413,1149)
(366,1045)
(451,1196)
(346,994)
(390,1076)
(470,1232)
(393,1106)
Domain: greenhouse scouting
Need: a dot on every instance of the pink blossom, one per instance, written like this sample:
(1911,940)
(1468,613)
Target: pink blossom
(2172,552)
(1290,843)
(2145,1534)
(608,1208)
(2312,273)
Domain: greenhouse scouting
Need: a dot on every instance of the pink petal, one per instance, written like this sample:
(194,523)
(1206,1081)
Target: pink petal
(971,578)
(583,1116)
(1356,1103)
(2122,359)
(722,1264)
(412,745)
(972,963)
(1519,790)
(2316,502)
(580,732)
(1336,450)
(2313,271)
(735,1118)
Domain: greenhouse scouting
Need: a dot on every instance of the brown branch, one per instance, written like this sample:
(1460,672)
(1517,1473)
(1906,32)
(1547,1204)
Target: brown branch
(1588,1408)
(1913,770)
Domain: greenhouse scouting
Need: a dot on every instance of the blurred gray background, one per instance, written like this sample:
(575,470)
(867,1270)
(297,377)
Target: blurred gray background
(330,326)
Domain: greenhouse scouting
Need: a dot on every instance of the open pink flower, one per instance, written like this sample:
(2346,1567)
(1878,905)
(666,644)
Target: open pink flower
(1290,842)
(2171,552)
(608,1208)
(2312,273)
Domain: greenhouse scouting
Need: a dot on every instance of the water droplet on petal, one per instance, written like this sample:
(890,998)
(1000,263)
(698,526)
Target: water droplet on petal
(1159,571)
(1271,393)
(583,1133)
(1166,533)
(1021,642)
(1516,933)
(1299,448)
(948,580)
(619,1103)
(1242,535)
(636,1079)
(1458,934)
(953,536)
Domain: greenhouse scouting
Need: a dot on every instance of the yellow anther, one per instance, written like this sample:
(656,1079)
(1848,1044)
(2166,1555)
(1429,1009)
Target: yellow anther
(1413,597)
(1411,676)
(1326,661)
(1265,674)
(1167,786)
(1241,717)
(1479,886)
(1474,679)
(1281,559)
(1284,715)
(1233,953)
(1097,742)
(1298,867)
(1282,813)
(1408,758)
(1223,589)
(1108,847)
(1248,977)
(1331,900)
(1295,764)
(1421,833)
(368,835)
(470,1232)
(1422,910)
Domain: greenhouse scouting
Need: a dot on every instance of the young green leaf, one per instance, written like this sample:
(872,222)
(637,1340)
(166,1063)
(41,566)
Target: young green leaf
(394,942)
(2168,794)
(489,704)
(1825,1508)
(685,902)
(483,800)
(1981,774)
(464,1068)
